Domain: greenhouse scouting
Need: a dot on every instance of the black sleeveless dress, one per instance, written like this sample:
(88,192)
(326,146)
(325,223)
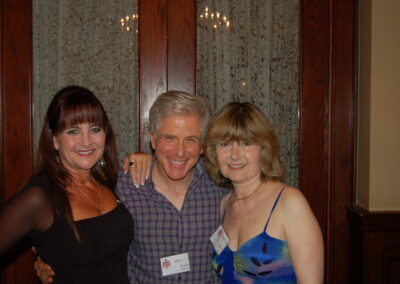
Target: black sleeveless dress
(101,257)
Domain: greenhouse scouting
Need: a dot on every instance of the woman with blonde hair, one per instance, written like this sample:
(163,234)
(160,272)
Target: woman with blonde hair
(269,233)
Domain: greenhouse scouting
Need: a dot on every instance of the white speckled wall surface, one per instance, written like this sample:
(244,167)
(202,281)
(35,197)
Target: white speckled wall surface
(83,43)
(253,55)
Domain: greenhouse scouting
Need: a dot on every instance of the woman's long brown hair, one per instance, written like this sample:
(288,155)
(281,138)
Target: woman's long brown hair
(73,105)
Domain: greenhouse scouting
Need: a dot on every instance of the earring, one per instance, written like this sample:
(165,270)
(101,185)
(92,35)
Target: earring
(58,159)
(59,168)
(101,163)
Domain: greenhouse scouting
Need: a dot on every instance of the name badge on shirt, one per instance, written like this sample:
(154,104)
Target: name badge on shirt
(219,239)
(175,264)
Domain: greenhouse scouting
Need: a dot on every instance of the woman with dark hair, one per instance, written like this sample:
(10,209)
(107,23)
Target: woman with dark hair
(68,207)
(268,234)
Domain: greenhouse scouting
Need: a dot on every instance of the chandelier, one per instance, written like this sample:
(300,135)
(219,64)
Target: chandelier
(216,19)
(130,23)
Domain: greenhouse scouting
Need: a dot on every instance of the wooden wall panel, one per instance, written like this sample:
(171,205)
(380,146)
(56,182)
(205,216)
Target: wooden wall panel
(343,127)
(374,254)
(327,121)
(314,97)
(315,141)
(152,60)
(182,45)
(2,184)
(15,131)
(167,53)
(391,264)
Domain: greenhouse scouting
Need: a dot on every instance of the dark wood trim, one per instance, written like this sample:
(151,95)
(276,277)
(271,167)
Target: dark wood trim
(343,132)
(314,95)
(374,237)
(373,221)
(16,129)
(328,121)
(2,183)
(16,91)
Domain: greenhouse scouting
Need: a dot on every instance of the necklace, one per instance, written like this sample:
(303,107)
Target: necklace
(100,206)
(245,197)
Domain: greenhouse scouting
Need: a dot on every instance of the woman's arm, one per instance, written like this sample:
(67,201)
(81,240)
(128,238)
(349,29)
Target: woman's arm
(304,237)
(139,165)
(26,211)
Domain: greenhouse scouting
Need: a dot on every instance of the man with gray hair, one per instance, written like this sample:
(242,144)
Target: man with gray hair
(177,209)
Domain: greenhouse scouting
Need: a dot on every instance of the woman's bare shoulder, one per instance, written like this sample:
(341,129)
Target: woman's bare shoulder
(293,200)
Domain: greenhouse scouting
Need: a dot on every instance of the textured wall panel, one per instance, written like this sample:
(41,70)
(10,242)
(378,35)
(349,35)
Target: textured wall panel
(83,43)
(249,51)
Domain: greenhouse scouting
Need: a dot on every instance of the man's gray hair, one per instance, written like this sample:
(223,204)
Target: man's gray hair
(176,103)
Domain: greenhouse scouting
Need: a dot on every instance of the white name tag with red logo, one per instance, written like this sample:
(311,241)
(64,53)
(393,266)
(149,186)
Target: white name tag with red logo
(175,264)
(219,239)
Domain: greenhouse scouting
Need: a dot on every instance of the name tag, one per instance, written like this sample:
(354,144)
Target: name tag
(175,264)
(219,239)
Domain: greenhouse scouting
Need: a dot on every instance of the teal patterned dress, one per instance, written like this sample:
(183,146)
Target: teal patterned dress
(262,259)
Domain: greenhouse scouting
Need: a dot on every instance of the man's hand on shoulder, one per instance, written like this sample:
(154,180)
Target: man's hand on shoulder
(43,270)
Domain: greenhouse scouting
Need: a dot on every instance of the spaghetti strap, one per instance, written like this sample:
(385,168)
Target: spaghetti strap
(273,208)
(223,216)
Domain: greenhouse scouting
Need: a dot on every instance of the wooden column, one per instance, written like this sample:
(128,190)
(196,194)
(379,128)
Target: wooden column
(15,124)
(167,53)
(328,121)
